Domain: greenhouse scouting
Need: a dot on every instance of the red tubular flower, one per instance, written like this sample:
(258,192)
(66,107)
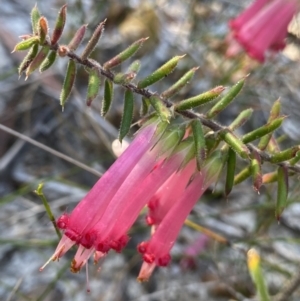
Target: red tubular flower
(156,251)
(262,27)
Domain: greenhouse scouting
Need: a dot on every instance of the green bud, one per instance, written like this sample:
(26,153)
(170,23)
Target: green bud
(160,73)
(199,100)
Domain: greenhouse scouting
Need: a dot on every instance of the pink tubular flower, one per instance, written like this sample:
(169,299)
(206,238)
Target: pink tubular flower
(262,27)
(87,213)
(168,193)
(111,231)
(156,251)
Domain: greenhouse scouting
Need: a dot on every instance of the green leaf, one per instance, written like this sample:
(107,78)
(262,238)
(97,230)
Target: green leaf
(78,37)
(124,55)
(160,73)
(241,119)
(231,162)
(35,16)
(182,82)
(48,61)
(199,140)
(226,99)
(263,130)
(59,24)
(127,114)
(93,41)
(68,83)
(199,100)
(28,58)
(162,111)
(282,191)
(26,44)
(108,97)
(37,61)
(93,86)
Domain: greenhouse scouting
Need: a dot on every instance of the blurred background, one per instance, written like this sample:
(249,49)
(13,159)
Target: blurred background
(203,268)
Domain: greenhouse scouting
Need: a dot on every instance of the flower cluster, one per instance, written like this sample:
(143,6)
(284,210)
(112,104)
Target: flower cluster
(158,169)
(262,27)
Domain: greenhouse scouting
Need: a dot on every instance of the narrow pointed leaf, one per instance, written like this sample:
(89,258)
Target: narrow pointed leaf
(285,155)
(78,37)
(272,177)
(282,191)
(59,25)
(108,97)
(242,175)
(127,114)
(28,58)
(275,112)
(35,16)
(226,99)
(235,143)
(263,130)
(38,60)
(256,174)
(231,162)
(241,119)
(162,111)
(296,159)
(48,61)
(93,86)
(199,140)
(68,83)
(199,100)
(145,106)
(43,29)
(125,54)
(253,260)
(182,82)
(93,41)
(160,73)
(26,44)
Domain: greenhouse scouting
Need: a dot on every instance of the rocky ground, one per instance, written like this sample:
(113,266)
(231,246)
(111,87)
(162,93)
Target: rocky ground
(217,271)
